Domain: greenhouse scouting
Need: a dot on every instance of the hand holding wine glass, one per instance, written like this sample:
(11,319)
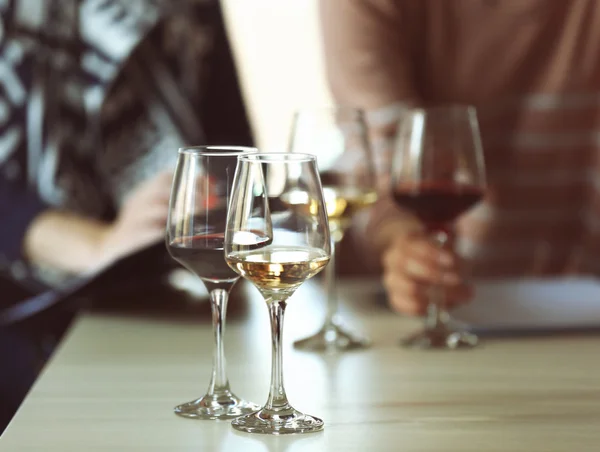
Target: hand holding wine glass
(438,174)
(412,263)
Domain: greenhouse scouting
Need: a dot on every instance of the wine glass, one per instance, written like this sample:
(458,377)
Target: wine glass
(194,238)
(299,248)
(339,138)
(438,174)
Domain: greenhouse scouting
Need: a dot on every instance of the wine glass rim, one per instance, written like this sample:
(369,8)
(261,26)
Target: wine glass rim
(267,157)
(442,108)
(216,151)
(329,109)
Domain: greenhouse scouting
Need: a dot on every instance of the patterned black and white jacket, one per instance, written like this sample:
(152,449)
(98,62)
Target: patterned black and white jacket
(97,95)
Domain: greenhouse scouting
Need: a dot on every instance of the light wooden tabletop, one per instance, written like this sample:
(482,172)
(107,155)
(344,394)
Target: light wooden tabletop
(115,380)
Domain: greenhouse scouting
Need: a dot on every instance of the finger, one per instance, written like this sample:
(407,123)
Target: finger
(430,273)
(407,305)
(123,243)
(142,240)
(163,197)
(405,295)
(419,268)
(149,236)
(412,296)
(161,178)
(421,247)
(150,216)
(399,283)
(154,188)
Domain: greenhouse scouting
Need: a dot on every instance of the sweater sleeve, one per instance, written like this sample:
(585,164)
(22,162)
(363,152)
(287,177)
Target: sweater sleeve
(369,58)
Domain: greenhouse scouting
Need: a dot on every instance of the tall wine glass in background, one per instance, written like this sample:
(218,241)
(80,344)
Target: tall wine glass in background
(339,138)
(438,173)
(195,236)
(300,247)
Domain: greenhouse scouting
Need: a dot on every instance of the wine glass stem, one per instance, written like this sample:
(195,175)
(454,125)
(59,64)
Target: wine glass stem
(219,382)
(277,396)
(437,315)
(330,283)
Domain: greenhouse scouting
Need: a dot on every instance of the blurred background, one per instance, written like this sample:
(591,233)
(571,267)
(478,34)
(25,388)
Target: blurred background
(278,50)
(97,96)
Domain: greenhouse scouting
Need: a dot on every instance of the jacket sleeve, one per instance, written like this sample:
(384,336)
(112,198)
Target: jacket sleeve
(18,208)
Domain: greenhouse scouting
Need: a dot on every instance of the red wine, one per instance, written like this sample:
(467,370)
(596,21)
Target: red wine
(437,205)
(203,255)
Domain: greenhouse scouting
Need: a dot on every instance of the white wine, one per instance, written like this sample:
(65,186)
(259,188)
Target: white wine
(341,203)
(279,267)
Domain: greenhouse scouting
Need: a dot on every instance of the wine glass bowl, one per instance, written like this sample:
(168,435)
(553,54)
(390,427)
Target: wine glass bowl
(195,238)
(339,138)
(438,174)
(299,247)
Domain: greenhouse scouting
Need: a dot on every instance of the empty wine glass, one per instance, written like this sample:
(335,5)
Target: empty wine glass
(438,174)
(299,248)
(195,236)
(338,136)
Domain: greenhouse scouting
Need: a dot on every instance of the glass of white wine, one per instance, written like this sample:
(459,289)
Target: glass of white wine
(339,138)
(298,249)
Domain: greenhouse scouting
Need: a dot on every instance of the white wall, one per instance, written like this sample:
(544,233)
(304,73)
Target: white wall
(277,48)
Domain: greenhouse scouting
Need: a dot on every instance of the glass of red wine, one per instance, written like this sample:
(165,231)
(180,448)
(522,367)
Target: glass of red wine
(194,238)
(438,174)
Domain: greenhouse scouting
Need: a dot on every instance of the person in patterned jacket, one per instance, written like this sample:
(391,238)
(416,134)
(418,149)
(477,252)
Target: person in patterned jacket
(96,96)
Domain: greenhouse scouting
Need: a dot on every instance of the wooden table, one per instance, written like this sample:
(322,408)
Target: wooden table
(113,384)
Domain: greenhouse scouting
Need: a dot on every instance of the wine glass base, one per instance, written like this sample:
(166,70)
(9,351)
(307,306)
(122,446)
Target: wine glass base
(278,422)
(217,406)
(441,339)
(332,338)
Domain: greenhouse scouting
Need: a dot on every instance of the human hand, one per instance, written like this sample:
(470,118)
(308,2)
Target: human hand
(141,220)
(412,265)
